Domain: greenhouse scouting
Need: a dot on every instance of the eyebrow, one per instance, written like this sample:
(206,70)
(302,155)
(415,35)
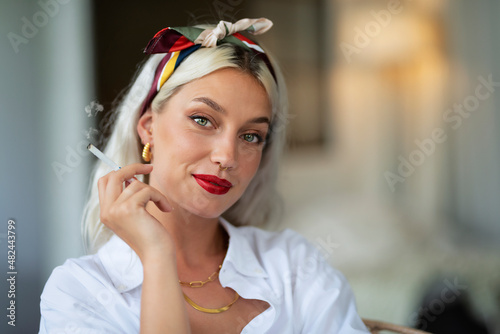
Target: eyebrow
(211,103)
(217,107)
(263,119)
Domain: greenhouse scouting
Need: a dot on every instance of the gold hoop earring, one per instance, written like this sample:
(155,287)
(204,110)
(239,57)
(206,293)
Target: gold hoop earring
(146,152)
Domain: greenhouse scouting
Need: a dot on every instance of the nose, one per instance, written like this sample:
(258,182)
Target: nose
(225,152)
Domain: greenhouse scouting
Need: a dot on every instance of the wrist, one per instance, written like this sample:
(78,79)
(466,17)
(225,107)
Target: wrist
(158,256)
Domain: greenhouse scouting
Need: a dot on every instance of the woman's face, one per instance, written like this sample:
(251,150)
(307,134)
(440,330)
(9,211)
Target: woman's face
(221,119)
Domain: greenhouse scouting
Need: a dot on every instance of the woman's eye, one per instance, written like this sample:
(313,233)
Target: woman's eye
(252,138)
(201,121)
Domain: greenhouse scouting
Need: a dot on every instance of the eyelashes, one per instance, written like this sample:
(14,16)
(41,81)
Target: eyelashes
(203,121)
(252,138)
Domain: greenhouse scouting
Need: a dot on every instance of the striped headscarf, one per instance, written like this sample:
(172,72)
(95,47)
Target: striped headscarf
(180,42)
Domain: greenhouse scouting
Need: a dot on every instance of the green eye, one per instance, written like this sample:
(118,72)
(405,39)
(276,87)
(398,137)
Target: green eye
(249,137)
(252,138)
(201,121)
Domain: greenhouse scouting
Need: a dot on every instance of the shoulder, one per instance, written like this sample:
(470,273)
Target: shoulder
(298,276)
(89,293)
(262,241)
(68,300)
(277,251)
(270,239)
(289,258)
(316,294)
(115,267)
(76,277)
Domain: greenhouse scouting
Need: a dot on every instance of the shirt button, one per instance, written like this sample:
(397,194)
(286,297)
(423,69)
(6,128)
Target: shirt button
(121,287)
(258,271)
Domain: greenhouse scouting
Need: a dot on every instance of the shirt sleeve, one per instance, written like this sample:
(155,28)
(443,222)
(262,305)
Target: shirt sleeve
(324,300)
(74,301)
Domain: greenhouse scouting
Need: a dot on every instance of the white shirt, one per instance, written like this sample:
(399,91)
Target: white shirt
(101,293)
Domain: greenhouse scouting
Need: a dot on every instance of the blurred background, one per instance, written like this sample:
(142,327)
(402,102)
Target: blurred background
(392,167)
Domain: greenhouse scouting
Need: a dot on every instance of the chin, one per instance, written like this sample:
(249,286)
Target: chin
(202,211)
(206,211)
(206,214)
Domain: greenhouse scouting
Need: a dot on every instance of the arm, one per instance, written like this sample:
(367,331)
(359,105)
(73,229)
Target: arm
(124,212)
(162,302)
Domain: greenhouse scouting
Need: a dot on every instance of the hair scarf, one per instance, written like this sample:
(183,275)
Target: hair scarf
(180,42)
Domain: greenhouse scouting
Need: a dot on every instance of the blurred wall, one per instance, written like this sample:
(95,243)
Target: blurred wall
(46,83)
(298,43)
(475,143)
(405,189)
(410,130)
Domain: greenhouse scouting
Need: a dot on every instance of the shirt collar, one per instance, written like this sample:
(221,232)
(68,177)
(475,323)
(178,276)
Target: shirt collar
(125,268)
(241,253)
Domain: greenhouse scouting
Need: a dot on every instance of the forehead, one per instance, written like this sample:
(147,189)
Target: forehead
(233,89)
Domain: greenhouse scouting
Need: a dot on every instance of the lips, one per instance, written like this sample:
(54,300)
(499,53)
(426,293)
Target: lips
(213,184)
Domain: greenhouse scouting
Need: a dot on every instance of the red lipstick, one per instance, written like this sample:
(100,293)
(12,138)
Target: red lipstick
(213,184)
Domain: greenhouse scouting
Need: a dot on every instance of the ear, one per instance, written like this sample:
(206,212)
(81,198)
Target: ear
(145,127)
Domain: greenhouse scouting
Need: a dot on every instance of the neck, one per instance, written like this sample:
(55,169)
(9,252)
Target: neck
(198,241)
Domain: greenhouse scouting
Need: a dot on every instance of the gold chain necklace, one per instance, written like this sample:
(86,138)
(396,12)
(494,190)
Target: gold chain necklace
(199,284)
(211,310)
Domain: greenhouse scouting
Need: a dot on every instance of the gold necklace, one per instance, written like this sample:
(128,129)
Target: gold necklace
(199,284)
(211,310)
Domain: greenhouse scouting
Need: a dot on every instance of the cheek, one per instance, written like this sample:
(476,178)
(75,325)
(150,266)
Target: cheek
(249,164)
(175,144)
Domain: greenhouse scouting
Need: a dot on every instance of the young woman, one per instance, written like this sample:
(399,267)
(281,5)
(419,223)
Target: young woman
(208,112)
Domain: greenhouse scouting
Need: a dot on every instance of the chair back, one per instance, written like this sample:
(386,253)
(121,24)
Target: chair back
(376,326)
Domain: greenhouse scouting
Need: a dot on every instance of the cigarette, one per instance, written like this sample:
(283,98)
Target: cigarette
(102,157)
(105,159)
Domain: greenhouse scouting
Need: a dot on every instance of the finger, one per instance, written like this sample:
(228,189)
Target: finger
(146,194)
(130,190)
(164,205)
(101,189)
(129,181)
(114,185)
(128,172)
(104,204)
(137,186)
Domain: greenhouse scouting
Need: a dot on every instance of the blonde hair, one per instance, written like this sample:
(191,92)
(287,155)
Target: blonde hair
(260,200)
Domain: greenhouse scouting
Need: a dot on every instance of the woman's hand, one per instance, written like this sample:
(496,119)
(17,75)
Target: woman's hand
(123,210)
